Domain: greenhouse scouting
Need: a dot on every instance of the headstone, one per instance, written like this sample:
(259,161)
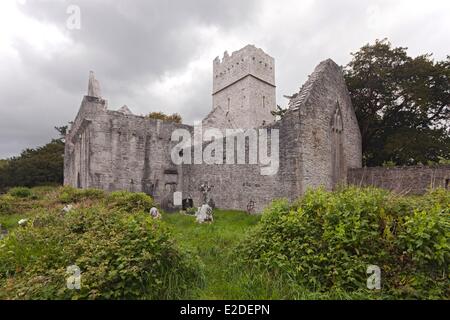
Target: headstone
(205,189)
(211,203)
(204,214)
(187,203)
(22,222)
(3,232)
(251,207)
(67,208)
(155,213)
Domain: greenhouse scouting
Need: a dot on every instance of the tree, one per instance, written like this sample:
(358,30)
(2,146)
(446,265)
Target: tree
(3,163)
(39,166)
(279,111)
(402,104)
(175,117)
(62,130)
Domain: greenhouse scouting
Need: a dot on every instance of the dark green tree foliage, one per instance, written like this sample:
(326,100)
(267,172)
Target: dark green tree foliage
(402,104)
(279,111)
(39,166)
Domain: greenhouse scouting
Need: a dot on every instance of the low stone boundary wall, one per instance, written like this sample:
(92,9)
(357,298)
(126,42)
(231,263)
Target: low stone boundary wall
(408,179)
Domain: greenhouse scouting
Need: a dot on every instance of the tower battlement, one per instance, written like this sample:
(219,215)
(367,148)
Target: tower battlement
(243,90)
(244,62)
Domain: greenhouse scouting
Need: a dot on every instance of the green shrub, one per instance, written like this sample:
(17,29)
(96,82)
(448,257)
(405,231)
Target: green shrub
(44,191)
(325,241)
(434,197)
(130,201)
(72,195)
(423,242)
(120,255)
(20,192)
(6,204)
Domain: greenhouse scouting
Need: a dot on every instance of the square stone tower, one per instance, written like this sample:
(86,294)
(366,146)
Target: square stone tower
(243,90)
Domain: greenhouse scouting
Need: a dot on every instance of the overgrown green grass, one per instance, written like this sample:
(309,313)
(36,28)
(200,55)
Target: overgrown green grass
(238,256)
(23,203)
(121,251)
(226,278)
(213,243)
(325,241)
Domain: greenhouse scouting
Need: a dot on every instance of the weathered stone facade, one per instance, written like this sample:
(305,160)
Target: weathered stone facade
(406,180)
(319,139)
(243,90)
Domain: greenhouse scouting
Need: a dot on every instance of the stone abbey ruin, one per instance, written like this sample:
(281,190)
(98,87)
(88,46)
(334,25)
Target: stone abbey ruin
(319,142)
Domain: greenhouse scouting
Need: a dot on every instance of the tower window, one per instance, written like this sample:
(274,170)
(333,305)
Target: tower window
(264,102)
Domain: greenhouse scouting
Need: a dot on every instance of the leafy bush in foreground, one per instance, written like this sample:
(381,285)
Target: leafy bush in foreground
(72,195)
(6,204)
(326,241)
(130,201)
(120,255)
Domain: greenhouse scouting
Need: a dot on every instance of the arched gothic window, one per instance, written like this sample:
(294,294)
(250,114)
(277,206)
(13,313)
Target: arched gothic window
(337,150)
(78,181)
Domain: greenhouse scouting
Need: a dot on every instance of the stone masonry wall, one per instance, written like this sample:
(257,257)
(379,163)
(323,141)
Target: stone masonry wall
(117,151)
(235,185)
(245,104)
(410,180)
(316,103)
(76,155)
(248,60)
(243,90)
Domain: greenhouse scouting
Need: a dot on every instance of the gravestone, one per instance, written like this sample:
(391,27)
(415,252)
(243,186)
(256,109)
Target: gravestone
(67,208)
(155,213)
(3,232)
(204,214)
(22,222)
(205,189)
(187,203)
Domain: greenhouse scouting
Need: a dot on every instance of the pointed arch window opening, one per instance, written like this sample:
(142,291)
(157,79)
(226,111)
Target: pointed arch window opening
(337,149)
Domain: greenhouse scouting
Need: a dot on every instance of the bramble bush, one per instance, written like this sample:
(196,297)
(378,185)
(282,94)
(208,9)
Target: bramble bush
(130,201)
(326,240)
(121,256)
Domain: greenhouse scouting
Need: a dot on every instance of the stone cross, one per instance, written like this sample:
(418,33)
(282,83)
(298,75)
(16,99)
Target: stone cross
(205,188)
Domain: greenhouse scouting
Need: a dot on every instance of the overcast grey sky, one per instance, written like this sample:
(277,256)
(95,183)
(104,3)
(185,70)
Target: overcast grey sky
(157,55)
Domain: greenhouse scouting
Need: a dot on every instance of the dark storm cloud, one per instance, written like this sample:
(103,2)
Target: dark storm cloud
(127,43)
(139,39)
(151,55)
